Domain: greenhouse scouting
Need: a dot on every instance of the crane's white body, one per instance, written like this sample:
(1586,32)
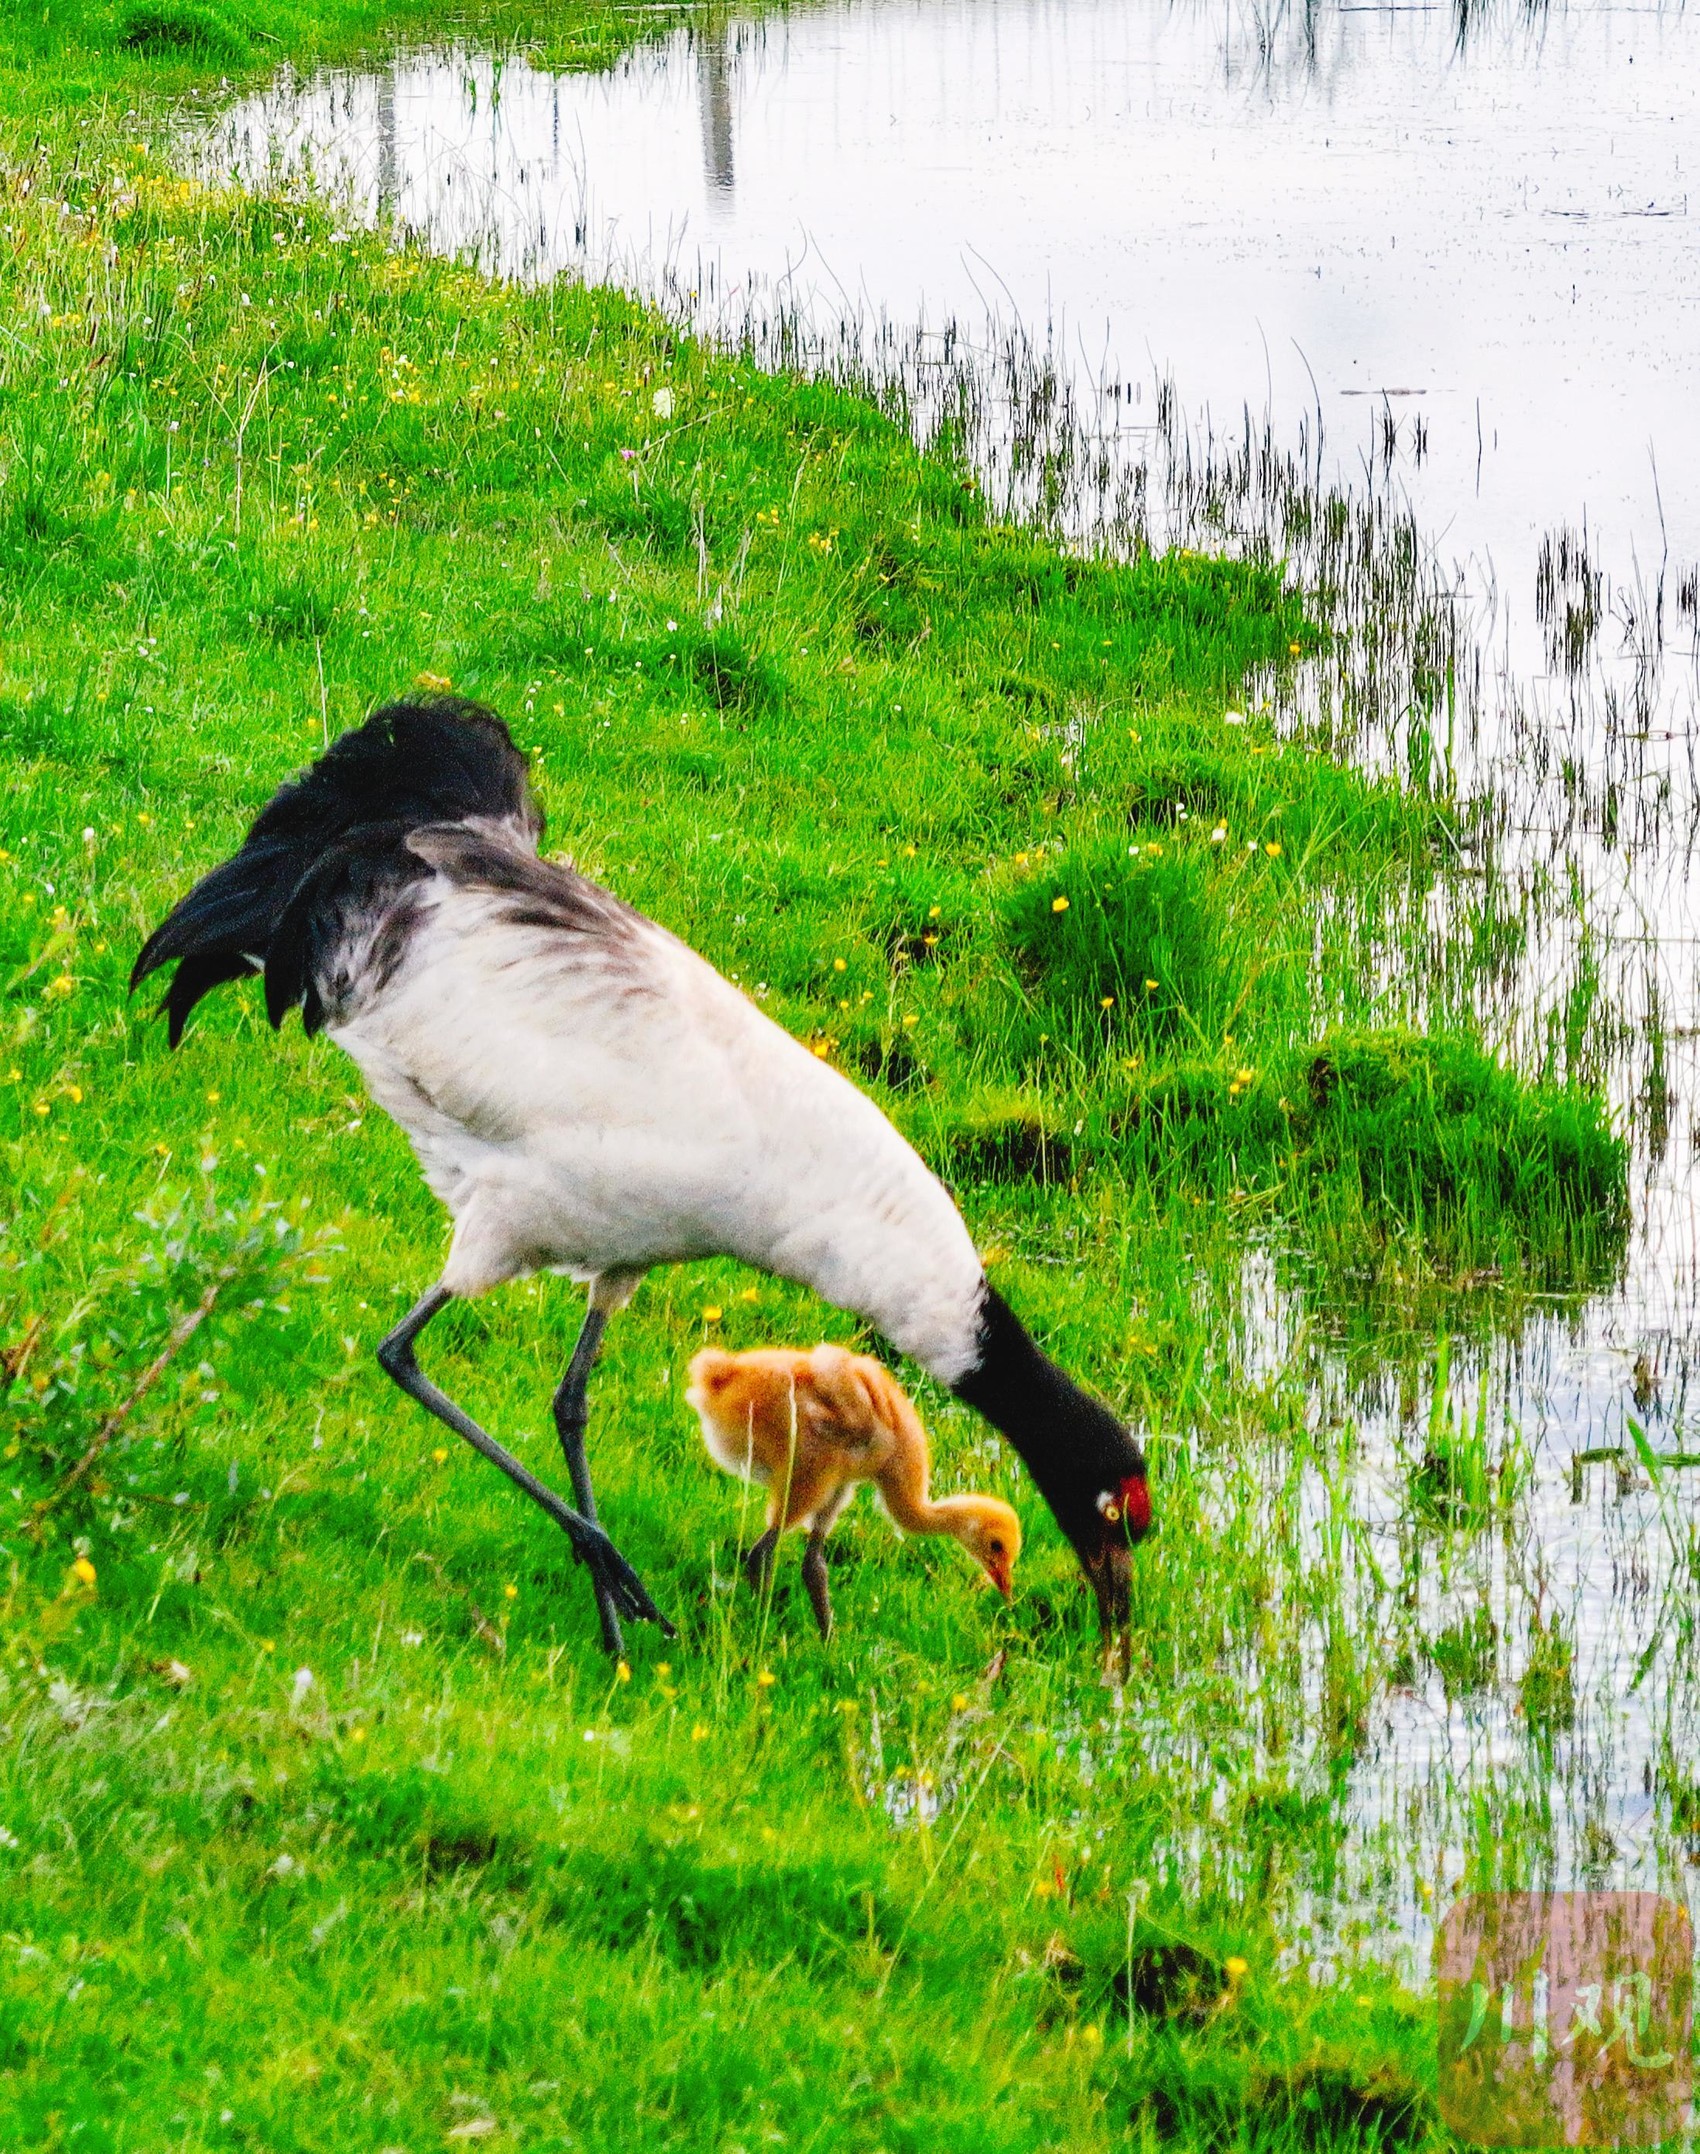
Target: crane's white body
(600,1102)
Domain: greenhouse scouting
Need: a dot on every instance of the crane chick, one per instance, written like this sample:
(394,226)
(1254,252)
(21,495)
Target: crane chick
(811,1427)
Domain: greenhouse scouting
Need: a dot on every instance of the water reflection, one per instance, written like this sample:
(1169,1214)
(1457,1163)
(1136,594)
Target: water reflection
(714,79)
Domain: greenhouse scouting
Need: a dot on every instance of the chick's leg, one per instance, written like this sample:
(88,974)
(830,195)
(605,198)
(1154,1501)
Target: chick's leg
(758,1564)
(795,1498)
(814,1579)
(814,1557)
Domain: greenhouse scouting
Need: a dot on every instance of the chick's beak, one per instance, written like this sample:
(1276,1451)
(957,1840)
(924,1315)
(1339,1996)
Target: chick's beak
(998,1573)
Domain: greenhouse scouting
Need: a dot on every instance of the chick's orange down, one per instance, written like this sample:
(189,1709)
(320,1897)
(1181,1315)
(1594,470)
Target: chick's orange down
(811,1427)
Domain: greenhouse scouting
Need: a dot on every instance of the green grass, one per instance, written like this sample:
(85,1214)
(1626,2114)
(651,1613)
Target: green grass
(325,1823)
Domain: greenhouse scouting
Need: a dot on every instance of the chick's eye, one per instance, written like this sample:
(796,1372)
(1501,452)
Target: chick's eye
(997,1548)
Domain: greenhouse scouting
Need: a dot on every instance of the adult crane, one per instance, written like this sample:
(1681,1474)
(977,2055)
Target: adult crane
(585,1094)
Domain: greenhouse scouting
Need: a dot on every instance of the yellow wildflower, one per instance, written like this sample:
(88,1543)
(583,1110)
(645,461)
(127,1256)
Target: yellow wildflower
(1059,904)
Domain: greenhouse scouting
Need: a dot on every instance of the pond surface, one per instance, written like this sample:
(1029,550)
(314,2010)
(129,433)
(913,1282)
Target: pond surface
(1443,268)
(1327,210)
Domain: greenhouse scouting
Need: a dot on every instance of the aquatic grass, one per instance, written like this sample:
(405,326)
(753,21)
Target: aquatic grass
(1466,1653)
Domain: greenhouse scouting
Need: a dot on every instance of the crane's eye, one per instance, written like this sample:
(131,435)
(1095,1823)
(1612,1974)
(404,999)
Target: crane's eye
(997,1548)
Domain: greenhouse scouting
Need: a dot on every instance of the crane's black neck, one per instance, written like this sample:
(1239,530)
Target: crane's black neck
(1080,1456)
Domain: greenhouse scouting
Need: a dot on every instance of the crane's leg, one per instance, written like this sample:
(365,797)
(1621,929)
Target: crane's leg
(572,1414)
(612,1573)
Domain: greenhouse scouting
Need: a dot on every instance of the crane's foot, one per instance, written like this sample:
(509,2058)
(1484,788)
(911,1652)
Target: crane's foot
(614,1576)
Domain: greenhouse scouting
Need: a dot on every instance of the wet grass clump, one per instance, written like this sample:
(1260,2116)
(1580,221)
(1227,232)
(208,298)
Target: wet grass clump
(179,27)
(1122,945)
(1004,1136)
(1437,1123)
(1465,1654)
(1376,1133)
(1326,2102)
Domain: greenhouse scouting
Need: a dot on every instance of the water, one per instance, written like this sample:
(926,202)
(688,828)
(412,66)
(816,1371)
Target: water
(1339,210)
(1235,259)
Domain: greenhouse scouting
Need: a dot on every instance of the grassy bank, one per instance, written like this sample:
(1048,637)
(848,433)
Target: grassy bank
(324,1823)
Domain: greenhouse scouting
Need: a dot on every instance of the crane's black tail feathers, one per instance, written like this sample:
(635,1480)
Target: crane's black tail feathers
(339,831)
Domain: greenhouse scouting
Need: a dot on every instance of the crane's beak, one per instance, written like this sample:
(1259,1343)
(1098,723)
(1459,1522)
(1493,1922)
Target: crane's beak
(998,1573)
(1109,1574)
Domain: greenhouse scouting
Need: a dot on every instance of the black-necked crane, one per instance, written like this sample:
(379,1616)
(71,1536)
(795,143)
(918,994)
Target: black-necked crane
(585,1094)
(811,1425)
